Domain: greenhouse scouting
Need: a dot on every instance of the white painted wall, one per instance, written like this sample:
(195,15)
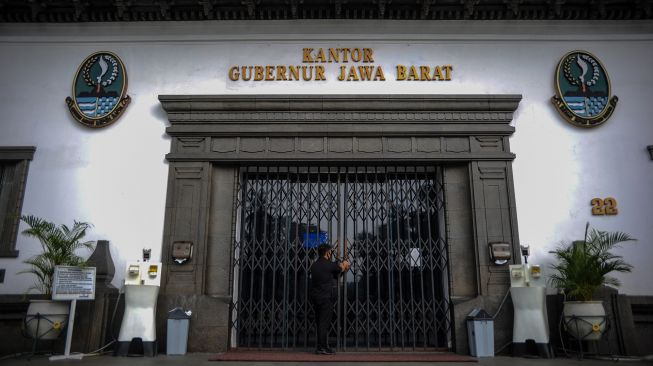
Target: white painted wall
(115,177)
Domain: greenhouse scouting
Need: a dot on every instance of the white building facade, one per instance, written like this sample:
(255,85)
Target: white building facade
(116,177)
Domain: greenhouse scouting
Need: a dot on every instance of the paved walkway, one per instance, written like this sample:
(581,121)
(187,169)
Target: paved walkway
(201,359)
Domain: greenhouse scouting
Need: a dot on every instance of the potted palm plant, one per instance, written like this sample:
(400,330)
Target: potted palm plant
(583,267)
(59,246)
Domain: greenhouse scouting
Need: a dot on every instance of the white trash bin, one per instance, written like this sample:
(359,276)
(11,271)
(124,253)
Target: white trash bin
(177,338)
(480,331)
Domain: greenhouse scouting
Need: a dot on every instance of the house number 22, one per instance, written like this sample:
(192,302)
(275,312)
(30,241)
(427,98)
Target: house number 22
(606,206)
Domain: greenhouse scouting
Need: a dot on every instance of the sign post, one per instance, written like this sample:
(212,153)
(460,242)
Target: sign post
(72,283)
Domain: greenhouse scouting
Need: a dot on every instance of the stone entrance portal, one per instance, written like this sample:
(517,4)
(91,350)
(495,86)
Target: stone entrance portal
(365,142)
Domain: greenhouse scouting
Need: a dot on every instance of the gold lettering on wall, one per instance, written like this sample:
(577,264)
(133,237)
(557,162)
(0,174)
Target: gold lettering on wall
(607,206)
(424,73)
(352,72)
(361,73)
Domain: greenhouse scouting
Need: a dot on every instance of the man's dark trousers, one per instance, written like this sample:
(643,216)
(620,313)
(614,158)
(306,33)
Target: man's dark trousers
(323,294)
(323,314)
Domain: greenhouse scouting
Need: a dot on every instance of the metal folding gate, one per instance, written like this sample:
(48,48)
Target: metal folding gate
(388,222)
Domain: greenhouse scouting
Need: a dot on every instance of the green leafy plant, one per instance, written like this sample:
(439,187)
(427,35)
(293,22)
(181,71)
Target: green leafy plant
(583,266)
(59,245)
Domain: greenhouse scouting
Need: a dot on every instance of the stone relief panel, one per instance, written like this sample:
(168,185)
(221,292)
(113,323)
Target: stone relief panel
(491,172)
(487,143)
(311,144)
(418,147)
(188,172)
(428,144)
(253,144)
(341,144)
(369,145)
(282,144)
(190,144)
(224,144)
(457,144)
(399,144)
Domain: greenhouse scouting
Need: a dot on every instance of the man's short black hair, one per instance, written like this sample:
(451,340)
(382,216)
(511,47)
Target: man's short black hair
(323,249)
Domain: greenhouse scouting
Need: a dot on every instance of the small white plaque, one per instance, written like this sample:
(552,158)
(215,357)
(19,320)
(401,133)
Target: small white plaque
(73,283)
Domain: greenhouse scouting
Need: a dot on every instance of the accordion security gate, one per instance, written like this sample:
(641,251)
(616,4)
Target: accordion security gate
(388,222)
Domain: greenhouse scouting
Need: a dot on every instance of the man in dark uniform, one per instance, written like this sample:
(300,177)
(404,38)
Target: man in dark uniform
(324,293)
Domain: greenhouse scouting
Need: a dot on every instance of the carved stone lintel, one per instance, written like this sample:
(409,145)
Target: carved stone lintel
(378,117)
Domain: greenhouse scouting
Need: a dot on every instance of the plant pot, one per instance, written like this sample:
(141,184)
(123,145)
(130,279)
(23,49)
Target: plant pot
(45,319)
(584,319)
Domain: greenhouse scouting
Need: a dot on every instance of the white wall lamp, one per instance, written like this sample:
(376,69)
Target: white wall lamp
(650,150)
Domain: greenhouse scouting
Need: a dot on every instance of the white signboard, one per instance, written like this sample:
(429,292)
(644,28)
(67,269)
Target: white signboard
(73,283)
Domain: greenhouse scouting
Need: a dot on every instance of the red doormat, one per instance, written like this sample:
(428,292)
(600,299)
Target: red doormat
(280,356)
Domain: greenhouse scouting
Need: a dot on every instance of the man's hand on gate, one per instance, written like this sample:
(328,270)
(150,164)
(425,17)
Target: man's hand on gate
(344,266)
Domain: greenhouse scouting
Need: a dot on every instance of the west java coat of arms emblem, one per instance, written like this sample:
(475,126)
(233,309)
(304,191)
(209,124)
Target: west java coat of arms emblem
(583,90)
(99,90)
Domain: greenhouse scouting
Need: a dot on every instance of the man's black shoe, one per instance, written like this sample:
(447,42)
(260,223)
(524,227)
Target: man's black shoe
(329,351)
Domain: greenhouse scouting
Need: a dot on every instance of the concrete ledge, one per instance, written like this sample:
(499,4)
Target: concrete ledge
(361,102)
